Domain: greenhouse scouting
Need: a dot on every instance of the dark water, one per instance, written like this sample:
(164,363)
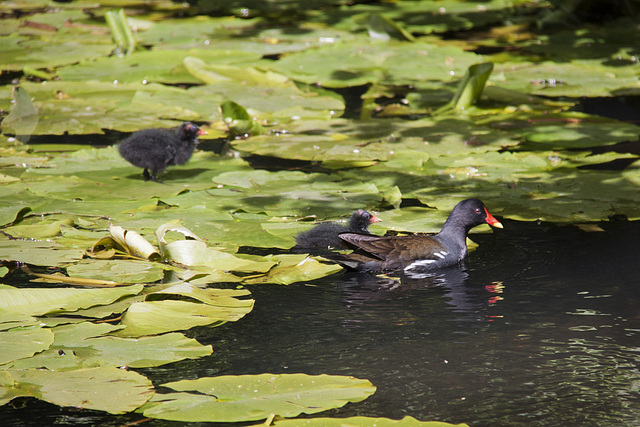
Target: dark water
(542,329)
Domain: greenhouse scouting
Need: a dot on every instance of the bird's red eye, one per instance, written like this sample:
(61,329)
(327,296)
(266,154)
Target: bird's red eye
(478,210)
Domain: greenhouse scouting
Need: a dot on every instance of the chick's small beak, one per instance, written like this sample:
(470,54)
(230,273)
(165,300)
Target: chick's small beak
(374,219)
(202,132)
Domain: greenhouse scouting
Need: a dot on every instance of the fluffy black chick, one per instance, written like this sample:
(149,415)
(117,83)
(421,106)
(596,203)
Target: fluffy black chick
(155,149)
(325,235)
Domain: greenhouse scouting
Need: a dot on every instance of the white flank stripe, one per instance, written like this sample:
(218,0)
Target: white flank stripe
(417,264)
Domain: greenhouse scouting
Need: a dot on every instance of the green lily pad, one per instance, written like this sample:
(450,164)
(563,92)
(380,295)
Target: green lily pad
(255,397)
(358,63)
(38,253)
(109,389)
(121,271)
(295,268)
(85,345)
(37,301)
(362,422)
(23,342)
(156,316)
(157,66)
(575,79)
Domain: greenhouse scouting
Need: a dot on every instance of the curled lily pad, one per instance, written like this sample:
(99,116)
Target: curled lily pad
(130,242)
(238,120)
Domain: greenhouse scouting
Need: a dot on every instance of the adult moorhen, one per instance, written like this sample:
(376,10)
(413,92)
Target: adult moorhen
(155,149)
(325,235)
(417,254)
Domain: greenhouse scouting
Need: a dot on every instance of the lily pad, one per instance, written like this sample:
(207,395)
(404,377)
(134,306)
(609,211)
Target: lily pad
(362,422)
(23,342)
(255,397)
(296,268)
(159,314)
(85,345)
(37,301)
(109,389)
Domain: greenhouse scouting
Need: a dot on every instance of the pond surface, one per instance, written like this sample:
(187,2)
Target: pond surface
(541,330)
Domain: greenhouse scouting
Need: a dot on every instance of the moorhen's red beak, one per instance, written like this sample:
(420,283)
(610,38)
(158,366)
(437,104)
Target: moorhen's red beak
(202,132)
(374,219)
(491,220)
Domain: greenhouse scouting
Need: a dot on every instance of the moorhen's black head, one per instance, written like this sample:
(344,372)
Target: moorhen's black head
(468,214)
(360,220)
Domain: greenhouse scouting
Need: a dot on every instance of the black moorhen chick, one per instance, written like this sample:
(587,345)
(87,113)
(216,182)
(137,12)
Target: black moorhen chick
(417,254)
(325,235)
(155,149)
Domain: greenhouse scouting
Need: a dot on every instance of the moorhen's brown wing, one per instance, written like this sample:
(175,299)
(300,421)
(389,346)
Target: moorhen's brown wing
(397,251)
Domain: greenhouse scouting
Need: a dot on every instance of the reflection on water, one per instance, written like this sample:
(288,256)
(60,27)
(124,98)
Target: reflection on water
(541,329)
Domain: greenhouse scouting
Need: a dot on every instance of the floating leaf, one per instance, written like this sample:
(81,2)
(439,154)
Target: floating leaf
(255,397)
(85,345)
(362,422)
(119,271)
(37,302)
(296,268)
(23,342)
(109,389)
(214,307)
(38,253)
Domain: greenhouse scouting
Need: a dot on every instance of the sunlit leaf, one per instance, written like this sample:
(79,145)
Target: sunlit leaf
(37,252)
(85,345)
(296,268)
(121,271)
(40,301)
(362,422)
(158,317)
(23,342)
(255,397)
(134,243)
(103,388)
